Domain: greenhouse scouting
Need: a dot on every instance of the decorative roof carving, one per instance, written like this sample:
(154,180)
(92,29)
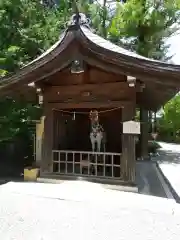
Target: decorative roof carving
(79,19)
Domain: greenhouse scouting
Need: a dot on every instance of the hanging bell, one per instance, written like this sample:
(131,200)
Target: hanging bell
(77,66)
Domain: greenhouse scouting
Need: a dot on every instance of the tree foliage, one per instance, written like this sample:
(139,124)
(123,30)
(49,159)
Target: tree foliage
(26,30)
(145,25)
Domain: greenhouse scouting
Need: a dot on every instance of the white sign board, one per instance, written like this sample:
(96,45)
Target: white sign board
(131,127)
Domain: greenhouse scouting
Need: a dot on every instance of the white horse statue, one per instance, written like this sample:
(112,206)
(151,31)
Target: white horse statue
(97,134)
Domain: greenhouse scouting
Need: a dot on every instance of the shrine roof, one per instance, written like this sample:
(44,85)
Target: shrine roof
(94,50)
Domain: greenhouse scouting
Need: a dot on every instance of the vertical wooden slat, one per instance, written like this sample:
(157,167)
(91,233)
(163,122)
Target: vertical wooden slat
(112,162)
(96,161)
(88,164)
(104,165)
(120,166)
(73,163)
(59,160)
(66,162)
(81,163)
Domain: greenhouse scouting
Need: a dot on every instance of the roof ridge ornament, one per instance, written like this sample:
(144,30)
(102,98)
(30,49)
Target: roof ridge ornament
(79,19)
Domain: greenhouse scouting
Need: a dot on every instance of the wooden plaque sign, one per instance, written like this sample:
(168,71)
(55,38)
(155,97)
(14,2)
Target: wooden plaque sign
(131,127)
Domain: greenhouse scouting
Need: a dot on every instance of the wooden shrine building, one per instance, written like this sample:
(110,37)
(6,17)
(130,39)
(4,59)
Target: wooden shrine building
(83,72)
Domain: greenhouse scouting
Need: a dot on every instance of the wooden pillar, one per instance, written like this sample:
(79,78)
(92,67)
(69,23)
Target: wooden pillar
(128,159)
(39,141)
(144,133)
(46,166)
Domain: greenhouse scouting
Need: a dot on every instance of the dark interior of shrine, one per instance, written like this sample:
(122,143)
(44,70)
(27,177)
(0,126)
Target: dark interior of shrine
(72,129)
(72,132)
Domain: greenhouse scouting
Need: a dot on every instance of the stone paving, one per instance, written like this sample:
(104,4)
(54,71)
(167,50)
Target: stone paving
(150,181)
(169,163)
(82,210)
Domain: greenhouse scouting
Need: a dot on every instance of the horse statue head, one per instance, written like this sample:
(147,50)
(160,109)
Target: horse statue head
(94,116)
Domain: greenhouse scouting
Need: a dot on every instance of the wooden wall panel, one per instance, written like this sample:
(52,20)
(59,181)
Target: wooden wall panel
(90,75)
(65,78)
(98,76)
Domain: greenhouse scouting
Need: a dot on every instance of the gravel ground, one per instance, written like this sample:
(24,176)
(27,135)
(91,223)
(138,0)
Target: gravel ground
(83,210)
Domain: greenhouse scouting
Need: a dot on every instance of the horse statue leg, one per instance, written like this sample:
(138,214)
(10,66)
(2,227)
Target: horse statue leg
(92,142)
(99,141)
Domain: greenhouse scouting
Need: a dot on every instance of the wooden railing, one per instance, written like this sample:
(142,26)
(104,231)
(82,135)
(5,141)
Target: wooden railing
(98,164)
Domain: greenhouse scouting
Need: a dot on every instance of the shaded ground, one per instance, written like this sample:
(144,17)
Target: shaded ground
(149,182)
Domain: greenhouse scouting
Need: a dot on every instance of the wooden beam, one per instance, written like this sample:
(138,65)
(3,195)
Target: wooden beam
(118,86)
(110,104)
(90,92)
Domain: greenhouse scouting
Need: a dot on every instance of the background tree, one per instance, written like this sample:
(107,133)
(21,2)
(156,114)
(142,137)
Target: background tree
(168,123)
(26,30)
(144,26)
